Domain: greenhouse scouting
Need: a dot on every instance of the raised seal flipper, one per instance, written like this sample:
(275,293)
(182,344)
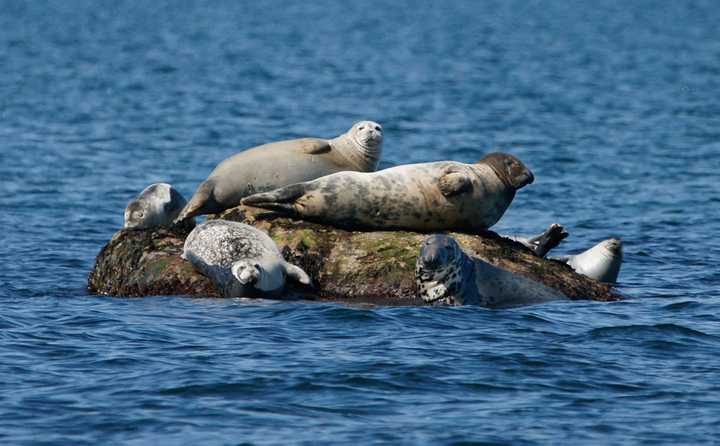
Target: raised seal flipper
(296,273)
(541,244)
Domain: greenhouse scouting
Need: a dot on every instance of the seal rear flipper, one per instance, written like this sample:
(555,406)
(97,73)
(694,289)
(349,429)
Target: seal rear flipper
(296,273)
(281,200)
(198,203)
(551,238)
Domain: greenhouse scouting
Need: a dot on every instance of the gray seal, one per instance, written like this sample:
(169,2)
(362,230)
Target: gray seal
(446,275)
(443,195)
(269,166)
(241,260)
(158,204)
(601,262)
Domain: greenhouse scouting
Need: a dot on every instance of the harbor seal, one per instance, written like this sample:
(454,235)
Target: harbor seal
(601,262)
(443,195)
(269,166)
(446,275)
(241,260)
(158,204)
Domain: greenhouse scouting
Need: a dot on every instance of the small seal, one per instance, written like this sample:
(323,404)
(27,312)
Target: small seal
(446,275)
(444,195)
(158,204)
(241,260)
(269,166)
(601,262)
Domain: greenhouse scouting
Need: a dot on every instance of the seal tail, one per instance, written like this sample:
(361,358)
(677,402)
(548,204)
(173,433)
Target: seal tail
(281,200)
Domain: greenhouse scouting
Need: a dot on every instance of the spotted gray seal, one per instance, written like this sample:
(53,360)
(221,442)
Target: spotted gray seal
(446,275)
(433,196)
(158,204)
(601,262)
(241,260)
(269,166)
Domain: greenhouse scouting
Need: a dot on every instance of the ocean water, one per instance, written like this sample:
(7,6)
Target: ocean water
(614,105)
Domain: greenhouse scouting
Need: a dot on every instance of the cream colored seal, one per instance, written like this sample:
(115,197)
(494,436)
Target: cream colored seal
(269,166)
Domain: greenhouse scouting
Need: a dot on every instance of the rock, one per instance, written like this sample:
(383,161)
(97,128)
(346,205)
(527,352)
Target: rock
(347,266)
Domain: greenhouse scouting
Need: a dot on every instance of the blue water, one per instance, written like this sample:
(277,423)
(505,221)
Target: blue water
(615,106)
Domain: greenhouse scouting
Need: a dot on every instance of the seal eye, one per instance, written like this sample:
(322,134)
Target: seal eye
(377,127)
(362,127)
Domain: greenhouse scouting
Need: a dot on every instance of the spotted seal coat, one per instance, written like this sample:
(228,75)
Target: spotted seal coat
(446,275)
(433,196)
(241,260)
(269,166)
(158,204)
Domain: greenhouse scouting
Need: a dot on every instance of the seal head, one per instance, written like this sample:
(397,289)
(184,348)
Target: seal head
(511,171)
(601,262)
(158,204)
(361,145)
(440,271)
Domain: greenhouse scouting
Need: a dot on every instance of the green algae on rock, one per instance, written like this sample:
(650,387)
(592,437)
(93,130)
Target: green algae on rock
(350,266)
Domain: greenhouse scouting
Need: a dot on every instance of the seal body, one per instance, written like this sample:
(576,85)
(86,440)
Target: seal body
(241,260)
(446,275)
(269,166)
(158,204)
(422,197)
(602,262)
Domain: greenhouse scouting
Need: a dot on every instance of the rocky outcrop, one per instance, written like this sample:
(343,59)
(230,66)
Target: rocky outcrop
(350,266)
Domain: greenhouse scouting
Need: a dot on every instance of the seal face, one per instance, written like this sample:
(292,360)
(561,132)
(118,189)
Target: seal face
(602,262)
(446,275)
(158,204)
(440,271)
(443,195)
(242,261)
(269,166)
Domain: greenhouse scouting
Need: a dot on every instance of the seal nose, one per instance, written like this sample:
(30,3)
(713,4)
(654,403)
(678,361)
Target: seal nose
(431,257)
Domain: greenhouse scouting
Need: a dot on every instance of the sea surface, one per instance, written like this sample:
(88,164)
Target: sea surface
(614,105)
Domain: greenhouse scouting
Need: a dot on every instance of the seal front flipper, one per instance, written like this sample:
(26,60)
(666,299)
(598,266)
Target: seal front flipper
(296,273)
(314,146)
(454,183)
(281,200)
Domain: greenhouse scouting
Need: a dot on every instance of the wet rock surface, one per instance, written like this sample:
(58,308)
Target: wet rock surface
(346,266)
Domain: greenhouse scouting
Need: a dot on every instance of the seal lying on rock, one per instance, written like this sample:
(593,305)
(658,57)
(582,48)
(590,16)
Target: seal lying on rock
(601,262)
(444,195)
(444,274)
(158,204)
(241,260)
(269,166)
